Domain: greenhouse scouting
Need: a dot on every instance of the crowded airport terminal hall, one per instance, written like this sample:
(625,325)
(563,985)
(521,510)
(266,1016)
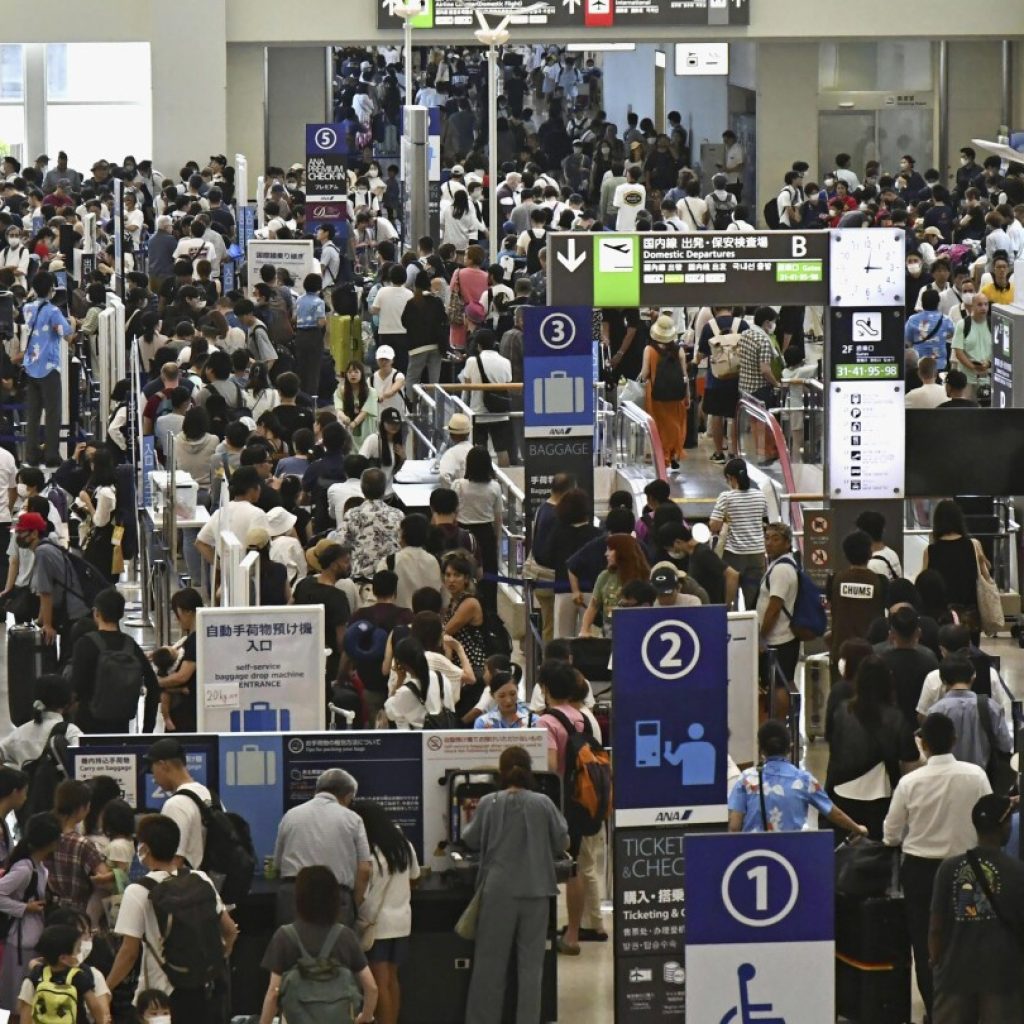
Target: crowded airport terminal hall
(588,432)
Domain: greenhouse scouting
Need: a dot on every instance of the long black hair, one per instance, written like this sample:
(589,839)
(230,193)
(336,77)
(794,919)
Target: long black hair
(737,469)
(410,655)
(350,397)
(41,830)
(384,836)
(104,789)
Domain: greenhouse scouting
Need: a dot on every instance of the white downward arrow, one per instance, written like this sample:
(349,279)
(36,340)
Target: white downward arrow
(572,262)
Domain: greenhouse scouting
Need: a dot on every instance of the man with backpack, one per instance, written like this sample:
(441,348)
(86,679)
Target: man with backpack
(720,203)
(55,580)
(585,770)
(176,921)
(109,671)
(776,599)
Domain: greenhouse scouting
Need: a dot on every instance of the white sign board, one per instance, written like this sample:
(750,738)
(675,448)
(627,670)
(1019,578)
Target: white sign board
(742,653)
(260,669)
(474,748)
(702,59)
(293,254)
(867,426)
(120,767)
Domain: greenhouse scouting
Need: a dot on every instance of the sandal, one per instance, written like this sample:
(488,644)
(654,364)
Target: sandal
(565,949)
(592,935)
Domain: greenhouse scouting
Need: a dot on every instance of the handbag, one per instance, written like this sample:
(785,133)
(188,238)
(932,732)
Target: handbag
(465,927)
(117,557)
(990,605)
(633,391)
(456,304)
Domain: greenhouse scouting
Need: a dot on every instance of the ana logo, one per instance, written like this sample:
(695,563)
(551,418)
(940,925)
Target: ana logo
(434,743)
(672,816)
(296,746)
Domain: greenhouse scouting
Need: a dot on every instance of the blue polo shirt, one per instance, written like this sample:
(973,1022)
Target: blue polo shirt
(788,793)
(929,331)
(309,311)
(44,320)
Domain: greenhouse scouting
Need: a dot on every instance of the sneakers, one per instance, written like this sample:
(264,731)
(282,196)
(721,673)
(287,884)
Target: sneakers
(717,457)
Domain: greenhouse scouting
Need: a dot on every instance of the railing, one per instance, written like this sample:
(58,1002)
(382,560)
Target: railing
(512,542)
(636,441)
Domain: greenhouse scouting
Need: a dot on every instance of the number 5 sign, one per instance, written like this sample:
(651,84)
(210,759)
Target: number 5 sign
(756,905)
(671,731)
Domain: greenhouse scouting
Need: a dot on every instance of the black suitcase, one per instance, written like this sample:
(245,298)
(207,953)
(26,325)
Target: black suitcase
(28,658)
(872,960)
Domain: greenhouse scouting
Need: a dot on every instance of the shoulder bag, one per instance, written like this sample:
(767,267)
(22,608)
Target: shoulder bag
(456,304)
(999,770)
(494,401)
(990,604)
(367,930)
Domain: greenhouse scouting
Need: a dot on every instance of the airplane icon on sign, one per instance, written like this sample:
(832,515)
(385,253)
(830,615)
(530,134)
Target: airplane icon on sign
(624,248)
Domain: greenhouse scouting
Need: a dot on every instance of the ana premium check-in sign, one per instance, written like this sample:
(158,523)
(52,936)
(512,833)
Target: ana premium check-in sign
(609,269)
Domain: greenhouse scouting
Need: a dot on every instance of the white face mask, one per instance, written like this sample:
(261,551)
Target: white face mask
(22,490)
(914,269)
(160,1018)
(842,668)
(964,161)
(84,949)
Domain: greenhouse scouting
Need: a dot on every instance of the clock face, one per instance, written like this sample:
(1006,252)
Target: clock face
(868,267)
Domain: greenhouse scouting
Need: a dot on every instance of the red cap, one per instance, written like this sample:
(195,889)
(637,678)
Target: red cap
(31,522)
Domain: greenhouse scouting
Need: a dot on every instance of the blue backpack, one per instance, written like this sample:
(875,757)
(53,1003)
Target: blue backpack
(807,619)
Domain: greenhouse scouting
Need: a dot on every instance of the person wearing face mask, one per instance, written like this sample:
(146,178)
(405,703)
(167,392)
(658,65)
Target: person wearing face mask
(140,930)
(972,346)
(917,279)
(968,171)
(16,257)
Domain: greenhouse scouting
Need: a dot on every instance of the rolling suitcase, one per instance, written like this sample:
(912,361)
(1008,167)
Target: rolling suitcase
(817,683)
(28,658)
(872,960)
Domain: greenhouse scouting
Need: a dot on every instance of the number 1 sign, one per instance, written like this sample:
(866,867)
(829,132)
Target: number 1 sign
(671,715)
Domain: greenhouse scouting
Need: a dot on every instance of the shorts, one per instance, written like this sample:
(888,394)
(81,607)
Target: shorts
(389,951)
(722,399)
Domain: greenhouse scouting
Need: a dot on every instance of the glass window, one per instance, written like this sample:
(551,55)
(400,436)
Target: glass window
(12,72)
(89,132)
(12,126)
(97,72)
(869,67)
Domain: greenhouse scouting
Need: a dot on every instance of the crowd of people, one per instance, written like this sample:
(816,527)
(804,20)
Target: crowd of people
(297,455)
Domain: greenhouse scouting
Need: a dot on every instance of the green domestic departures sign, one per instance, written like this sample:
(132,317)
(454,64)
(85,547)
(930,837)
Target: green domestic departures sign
(612,269)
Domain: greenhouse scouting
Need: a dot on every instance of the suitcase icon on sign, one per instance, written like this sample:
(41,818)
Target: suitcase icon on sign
(251,766)
(558,394)
(261,717)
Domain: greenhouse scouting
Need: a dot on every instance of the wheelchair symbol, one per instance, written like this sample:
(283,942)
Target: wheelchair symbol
(748,1012)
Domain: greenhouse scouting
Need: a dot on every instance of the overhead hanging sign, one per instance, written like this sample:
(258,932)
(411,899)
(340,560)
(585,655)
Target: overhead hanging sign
(610,269)
(456,14)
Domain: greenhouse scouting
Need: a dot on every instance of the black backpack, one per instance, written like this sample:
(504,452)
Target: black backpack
(118,681)
(495,635)
(186,914)
(721,216)
(771,214)
(81,578)
(46,772)
(229,849)
(445,718)
(669,382)
(587,786)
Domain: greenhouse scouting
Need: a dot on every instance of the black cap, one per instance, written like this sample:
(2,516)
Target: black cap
(664,579)
(990,812)
(165,750)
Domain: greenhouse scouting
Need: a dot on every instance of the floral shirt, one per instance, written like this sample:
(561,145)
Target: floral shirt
(371,529)
(46,322)
(788,792)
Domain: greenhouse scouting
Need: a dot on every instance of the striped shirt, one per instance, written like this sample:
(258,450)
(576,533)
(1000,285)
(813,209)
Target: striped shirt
(745,512)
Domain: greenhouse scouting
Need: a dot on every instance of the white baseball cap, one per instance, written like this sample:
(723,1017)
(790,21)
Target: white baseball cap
(385,352)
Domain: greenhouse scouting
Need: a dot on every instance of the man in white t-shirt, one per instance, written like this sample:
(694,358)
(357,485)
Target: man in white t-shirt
(240,515)
(734,161)
(488,367)
(788,201)
(931,394)
(166,762)
(628,200)
(452,464)
(137,924)
(776,599)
